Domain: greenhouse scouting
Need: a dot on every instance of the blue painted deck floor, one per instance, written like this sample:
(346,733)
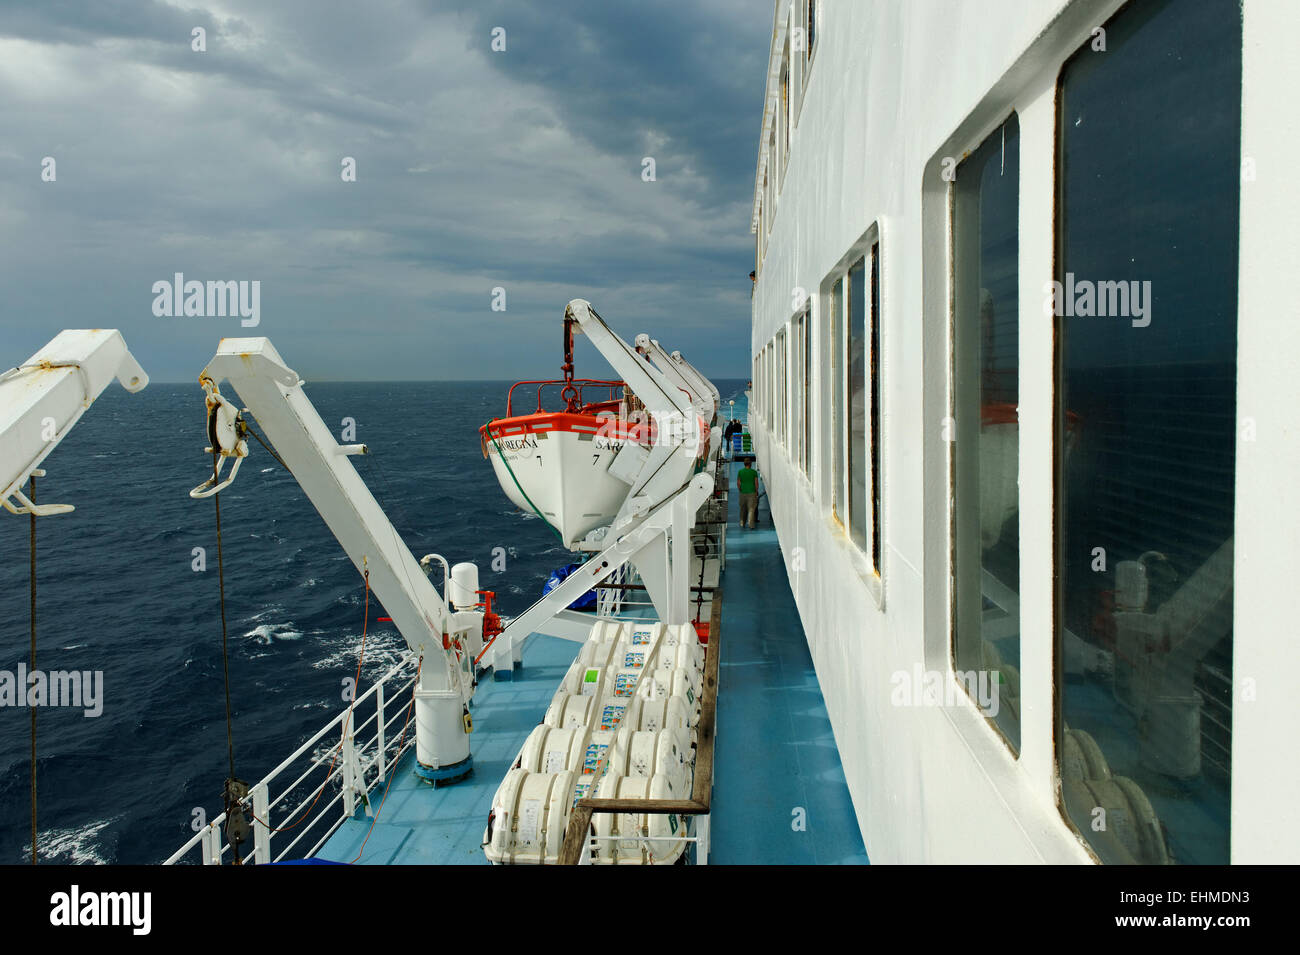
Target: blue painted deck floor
(775,752)
(779,790)
(421,825)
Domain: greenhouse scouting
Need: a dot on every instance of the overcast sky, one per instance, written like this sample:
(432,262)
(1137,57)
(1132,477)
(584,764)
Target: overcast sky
(475,169)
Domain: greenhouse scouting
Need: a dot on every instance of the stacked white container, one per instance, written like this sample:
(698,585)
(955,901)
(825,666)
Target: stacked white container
(621,725)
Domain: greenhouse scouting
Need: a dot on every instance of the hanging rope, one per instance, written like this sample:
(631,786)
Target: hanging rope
(249,429)
(225,656)
(232,790)
(32,654)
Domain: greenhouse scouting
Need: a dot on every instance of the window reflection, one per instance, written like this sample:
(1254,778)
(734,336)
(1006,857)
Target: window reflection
(857,389)
(1146,317)
(986,430)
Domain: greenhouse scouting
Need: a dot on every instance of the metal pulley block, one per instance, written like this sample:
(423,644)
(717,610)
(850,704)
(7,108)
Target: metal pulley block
(227,438)
(237,828)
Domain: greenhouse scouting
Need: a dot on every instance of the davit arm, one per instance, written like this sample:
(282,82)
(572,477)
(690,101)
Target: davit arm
(273,393)
(44,397)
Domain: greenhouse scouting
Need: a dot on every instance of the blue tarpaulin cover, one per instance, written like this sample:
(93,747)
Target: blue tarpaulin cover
(586,602)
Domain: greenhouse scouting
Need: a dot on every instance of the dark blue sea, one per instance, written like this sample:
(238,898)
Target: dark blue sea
(116,592)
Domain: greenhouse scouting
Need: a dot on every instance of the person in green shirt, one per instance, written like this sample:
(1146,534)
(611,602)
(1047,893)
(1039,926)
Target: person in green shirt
(747,484)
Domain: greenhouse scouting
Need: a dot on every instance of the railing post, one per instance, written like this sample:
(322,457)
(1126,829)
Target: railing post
(722,537)
(209,839)
(379,737)
(261,825)
(702,839)
(212,845)
(349,797)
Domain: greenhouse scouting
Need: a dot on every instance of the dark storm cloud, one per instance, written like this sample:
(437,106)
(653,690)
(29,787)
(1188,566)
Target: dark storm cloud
(475,170)
(624,74)
(78,21)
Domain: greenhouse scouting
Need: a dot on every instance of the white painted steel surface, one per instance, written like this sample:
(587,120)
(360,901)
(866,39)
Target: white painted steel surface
(41,400)
(893,89)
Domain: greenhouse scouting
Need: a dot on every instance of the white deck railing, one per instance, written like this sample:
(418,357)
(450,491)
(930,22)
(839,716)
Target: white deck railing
(354,768)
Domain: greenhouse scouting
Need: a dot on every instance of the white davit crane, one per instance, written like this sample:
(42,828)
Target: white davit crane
(692,372)
(652,528)
(46,395)
(445,640)
(704,397)
(666,469)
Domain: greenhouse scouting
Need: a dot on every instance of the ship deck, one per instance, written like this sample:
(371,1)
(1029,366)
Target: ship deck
(779,792)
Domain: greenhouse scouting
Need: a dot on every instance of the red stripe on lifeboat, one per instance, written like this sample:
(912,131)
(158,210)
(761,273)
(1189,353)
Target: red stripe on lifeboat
(545,422)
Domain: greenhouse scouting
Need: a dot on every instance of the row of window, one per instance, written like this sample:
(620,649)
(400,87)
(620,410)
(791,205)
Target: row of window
(796,63)
(1144,314)
(845,333)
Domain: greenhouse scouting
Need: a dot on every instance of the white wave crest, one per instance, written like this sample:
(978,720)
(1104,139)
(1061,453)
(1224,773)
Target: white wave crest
(268,633)
(72,845)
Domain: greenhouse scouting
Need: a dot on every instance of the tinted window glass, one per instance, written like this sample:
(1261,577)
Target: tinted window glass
(986,431)
(1147,330)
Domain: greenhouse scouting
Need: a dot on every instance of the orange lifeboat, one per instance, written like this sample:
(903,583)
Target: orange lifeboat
(555,464)
(561,464)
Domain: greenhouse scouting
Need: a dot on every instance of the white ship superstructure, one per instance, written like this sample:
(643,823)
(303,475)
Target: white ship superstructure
(1024,373)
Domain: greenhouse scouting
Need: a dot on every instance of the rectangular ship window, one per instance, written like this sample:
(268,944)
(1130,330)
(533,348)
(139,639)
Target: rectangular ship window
(797,392)
(805,325)
(774,389)
(767,387)
(810,39)
(857,398)
(782,404)
(835,326)
(770,181)
(785,117)
(849,435)
(797,66)
(770,386)
(985,428)
(873,371)
(1145,305)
